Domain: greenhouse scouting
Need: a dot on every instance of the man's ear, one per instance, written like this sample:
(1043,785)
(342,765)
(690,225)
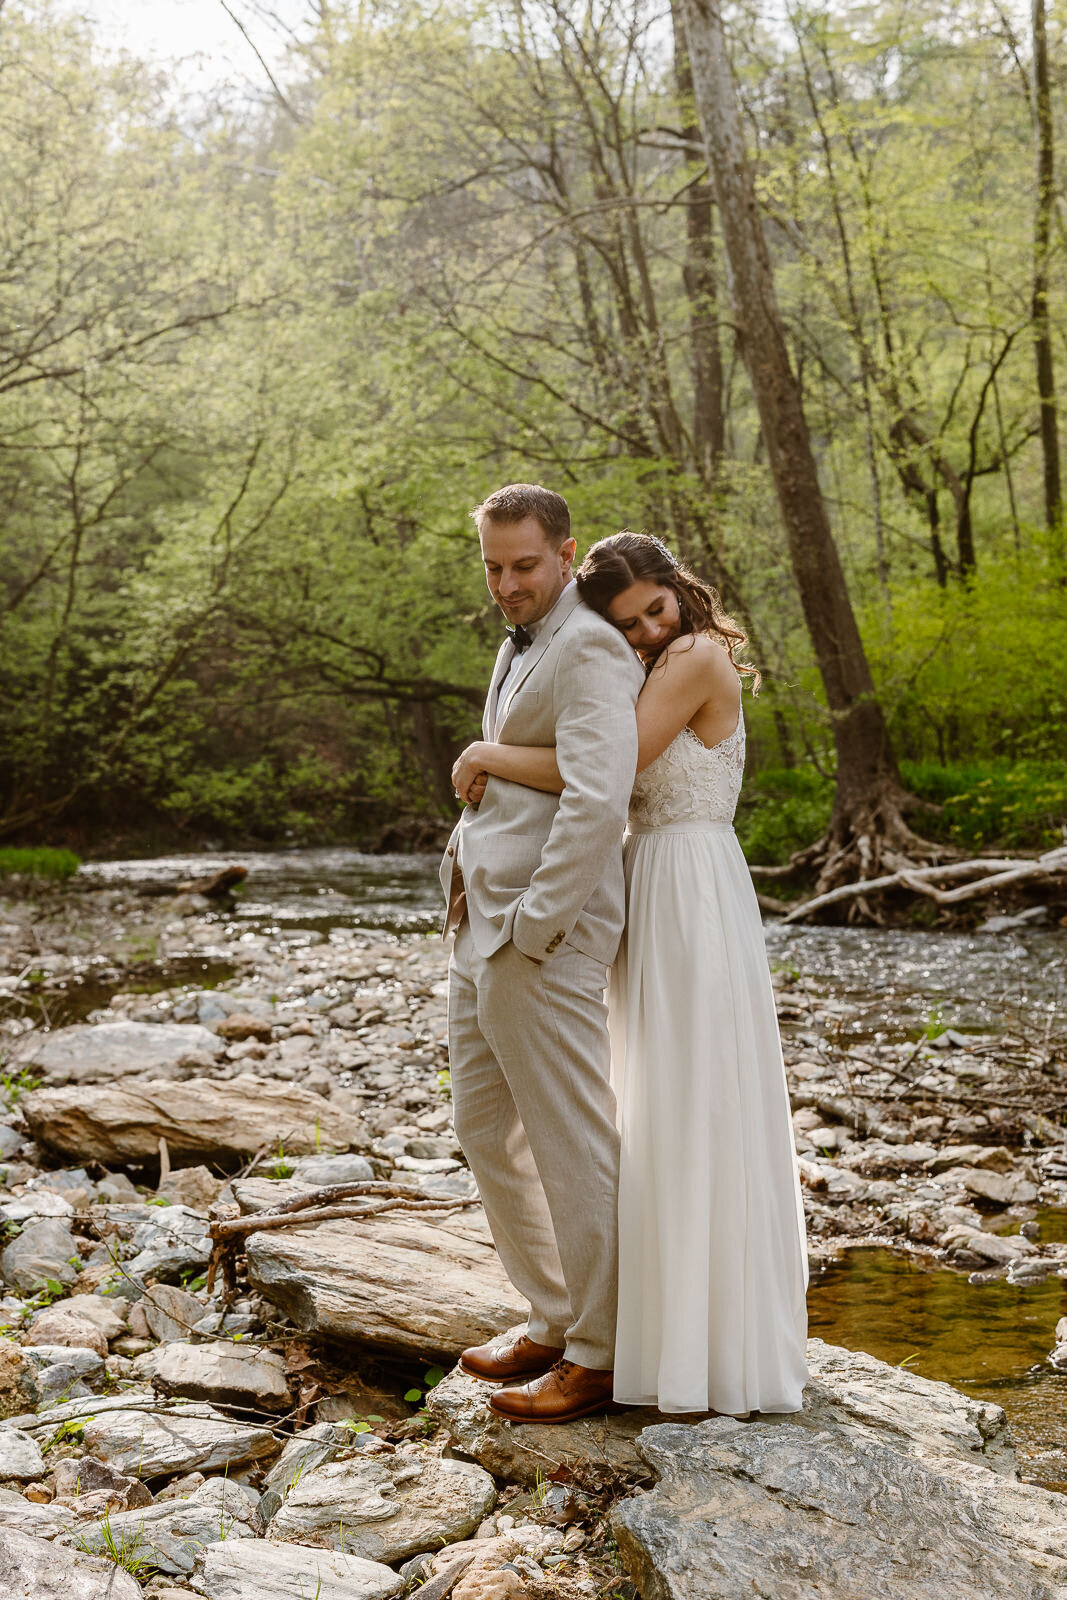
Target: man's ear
(567,551)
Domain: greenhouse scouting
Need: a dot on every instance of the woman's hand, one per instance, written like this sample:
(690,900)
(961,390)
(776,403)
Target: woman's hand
(470,773)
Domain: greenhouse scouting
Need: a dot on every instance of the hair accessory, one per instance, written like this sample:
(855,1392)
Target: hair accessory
(662,548)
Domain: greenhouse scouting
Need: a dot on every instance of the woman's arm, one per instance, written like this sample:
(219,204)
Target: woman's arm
(533,765)
(693,675)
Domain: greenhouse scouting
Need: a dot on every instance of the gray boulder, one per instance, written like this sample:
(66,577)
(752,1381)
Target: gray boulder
(776,1508)
(461,1404)
(241,1374)
(265,1571)
(333,1169)
(174,1241)
(104,1051)
(19,1515)
(389,1507)
(33,1569)
(200,1120)
(171,1313)
(43,1250)
(20,1456)
(170,1533)
(170,1438)
(368,1282)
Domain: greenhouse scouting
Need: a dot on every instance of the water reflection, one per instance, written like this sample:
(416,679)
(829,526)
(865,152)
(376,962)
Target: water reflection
(989,1341)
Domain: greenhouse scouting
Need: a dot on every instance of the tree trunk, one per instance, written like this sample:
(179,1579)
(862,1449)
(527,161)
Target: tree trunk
(869,795)
(1046,378)
(701,286)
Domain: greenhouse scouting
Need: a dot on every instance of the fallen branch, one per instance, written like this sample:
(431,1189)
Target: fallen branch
(1001,869)
(1046,866)
(325,1203)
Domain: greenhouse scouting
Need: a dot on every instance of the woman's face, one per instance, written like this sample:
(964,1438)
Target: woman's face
(648,616)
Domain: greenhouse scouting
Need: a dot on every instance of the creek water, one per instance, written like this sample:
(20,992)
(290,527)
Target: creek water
(991,1341)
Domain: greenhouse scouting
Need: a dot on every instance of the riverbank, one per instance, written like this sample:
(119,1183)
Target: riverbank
(928,1083)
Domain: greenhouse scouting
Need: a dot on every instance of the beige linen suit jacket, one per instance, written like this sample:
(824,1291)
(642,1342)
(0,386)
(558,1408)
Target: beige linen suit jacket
(537,868)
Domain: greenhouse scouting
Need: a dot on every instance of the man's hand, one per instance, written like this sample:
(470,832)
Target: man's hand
(469,776)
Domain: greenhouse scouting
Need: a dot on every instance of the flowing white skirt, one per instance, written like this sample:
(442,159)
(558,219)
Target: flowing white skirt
(712,1258)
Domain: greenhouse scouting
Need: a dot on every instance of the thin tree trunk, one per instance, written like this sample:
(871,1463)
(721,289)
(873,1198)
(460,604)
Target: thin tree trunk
(1046,377)
(701,287)
(869,793)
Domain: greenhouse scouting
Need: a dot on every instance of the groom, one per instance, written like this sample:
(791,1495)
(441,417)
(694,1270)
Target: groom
(534,884)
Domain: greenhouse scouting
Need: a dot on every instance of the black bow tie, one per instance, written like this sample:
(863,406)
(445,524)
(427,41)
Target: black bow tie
(520,638)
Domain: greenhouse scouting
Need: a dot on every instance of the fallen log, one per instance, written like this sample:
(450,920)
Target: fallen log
(1000,871)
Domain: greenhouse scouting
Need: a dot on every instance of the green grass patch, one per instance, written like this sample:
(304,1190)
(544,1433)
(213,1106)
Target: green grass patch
(39,863)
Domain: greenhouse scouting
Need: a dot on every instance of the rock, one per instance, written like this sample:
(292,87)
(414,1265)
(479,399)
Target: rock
(1000,1189)
(104,1312)
(38,1204)
(175,1241)
(210,1006)
(10,1140)
(333,1169)
(19,1389)
(41,1251)
(241,1025)
(482,1585)
(390,1506)
(199,1119)
(78,1359)
(61,1325)
(998,1248)
(523,1454)
(400,1282)
(33,1569)
(104,1051)
(265,1571)
(238,1374)
(170,1312)
(20,1456)
(24,1516)
(308,1449)
(117,1190)
(923,1416)
(169,1534)
(78,1476)
(786,1507)
(169,1439)
(191,1186)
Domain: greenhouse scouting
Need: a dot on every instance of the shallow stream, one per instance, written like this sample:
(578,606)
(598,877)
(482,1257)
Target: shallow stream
(990,1341)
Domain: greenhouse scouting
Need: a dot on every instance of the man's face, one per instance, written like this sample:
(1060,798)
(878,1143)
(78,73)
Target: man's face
(524,570)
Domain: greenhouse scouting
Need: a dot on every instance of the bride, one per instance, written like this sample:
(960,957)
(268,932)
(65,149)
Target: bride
(712,1259)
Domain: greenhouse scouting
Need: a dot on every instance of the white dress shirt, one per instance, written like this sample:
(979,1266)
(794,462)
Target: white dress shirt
(507,682)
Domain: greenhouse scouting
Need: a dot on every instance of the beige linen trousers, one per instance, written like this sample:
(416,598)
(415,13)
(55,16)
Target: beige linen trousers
(538,904)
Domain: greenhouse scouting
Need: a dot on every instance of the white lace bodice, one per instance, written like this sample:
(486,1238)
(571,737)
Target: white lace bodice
(689,782)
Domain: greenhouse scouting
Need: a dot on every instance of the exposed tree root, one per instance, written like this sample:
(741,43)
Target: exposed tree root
(998,872)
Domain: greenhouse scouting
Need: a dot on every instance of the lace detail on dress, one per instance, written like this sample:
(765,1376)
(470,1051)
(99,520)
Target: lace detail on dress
(689,782)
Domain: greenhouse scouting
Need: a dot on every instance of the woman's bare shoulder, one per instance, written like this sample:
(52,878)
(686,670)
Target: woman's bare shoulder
(701,654)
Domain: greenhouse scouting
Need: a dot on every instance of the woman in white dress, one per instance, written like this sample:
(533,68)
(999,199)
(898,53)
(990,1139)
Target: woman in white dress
(712,1258)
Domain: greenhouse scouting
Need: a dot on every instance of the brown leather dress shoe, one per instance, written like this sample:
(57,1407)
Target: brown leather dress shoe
(566,1392)
(509,1359)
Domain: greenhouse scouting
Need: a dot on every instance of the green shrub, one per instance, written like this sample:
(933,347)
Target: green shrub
(782,810)
(1002,805)
(39,863)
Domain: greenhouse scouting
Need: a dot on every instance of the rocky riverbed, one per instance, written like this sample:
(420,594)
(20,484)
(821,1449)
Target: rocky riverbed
(296,1427)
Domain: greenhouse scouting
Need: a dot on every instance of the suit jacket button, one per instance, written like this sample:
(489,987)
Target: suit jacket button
(450,851)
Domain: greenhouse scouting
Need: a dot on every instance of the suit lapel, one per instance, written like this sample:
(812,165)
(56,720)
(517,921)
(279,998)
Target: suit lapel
(499,671)
(564,607)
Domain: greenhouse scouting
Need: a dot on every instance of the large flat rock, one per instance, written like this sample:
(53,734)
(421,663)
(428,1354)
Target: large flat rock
(385,1508)
(801,1509)
(34,1569)
(285,1572)
(915,1414)
(200,1119)
(419,1284)
(169,1534)
(104,1051)
(525,1454)
(153,1438)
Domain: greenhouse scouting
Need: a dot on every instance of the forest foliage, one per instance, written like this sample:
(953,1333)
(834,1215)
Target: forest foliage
(259,357)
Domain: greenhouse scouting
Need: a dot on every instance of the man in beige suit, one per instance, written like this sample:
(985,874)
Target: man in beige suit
(534,884)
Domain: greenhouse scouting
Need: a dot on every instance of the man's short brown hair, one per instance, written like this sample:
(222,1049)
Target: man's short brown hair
(517,501)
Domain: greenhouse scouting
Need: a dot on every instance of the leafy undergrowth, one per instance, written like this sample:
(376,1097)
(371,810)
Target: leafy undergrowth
(995,806)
